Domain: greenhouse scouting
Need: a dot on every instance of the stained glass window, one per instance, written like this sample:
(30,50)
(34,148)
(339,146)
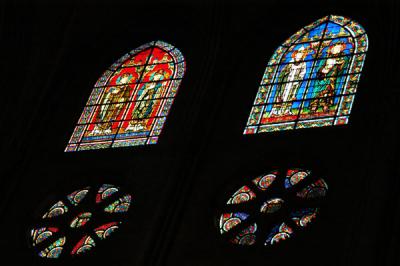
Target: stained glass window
(312,78)
(72,226)
(130,102)
(272,208)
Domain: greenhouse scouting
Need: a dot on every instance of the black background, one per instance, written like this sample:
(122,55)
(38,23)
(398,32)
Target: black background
(52,54)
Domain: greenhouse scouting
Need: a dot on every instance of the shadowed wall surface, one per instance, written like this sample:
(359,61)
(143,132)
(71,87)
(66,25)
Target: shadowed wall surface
(54,53)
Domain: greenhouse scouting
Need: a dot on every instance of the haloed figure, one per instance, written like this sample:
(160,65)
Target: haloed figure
(328,75)
(159,75)
(111,106)
(289,81)
(144,104)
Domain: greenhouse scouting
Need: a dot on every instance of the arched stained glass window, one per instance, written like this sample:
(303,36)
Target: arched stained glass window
(312,78)
(271,208)
(75,224)
(130,102)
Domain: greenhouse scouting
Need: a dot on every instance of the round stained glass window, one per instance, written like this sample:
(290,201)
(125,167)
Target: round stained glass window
(272,208)
(74,225)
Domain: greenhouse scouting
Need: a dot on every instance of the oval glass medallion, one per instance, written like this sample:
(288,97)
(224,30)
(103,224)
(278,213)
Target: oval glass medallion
(55,233)
(272,208)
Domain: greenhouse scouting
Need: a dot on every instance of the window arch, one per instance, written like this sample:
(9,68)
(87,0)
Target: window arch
(130,102)
(312,78)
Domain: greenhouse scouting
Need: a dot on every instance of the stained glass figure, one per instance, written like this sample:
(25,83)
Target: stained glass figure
(130,102)
(312,78)
(82,222)
(271,208)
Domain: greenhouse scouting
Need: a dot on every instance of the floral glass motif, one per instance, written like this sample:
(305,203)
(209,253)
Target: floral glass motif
(304,216)
(84,245)
(56,210)
(77,196)
(315,190)
(312,78)
(242,195)
(275,211)
(41,234)
(54,250)
(105,191)
(121,205)
(263,182)
(279,233)
(246,237)
(272,205)
(229,220)
(130,102)
(99,216)
(81,220)
(104,231)
(294,176)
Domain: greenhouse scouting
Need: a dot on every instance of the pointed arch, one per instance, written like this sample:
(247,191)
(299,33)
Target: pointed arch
(311,79)
(130,102)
